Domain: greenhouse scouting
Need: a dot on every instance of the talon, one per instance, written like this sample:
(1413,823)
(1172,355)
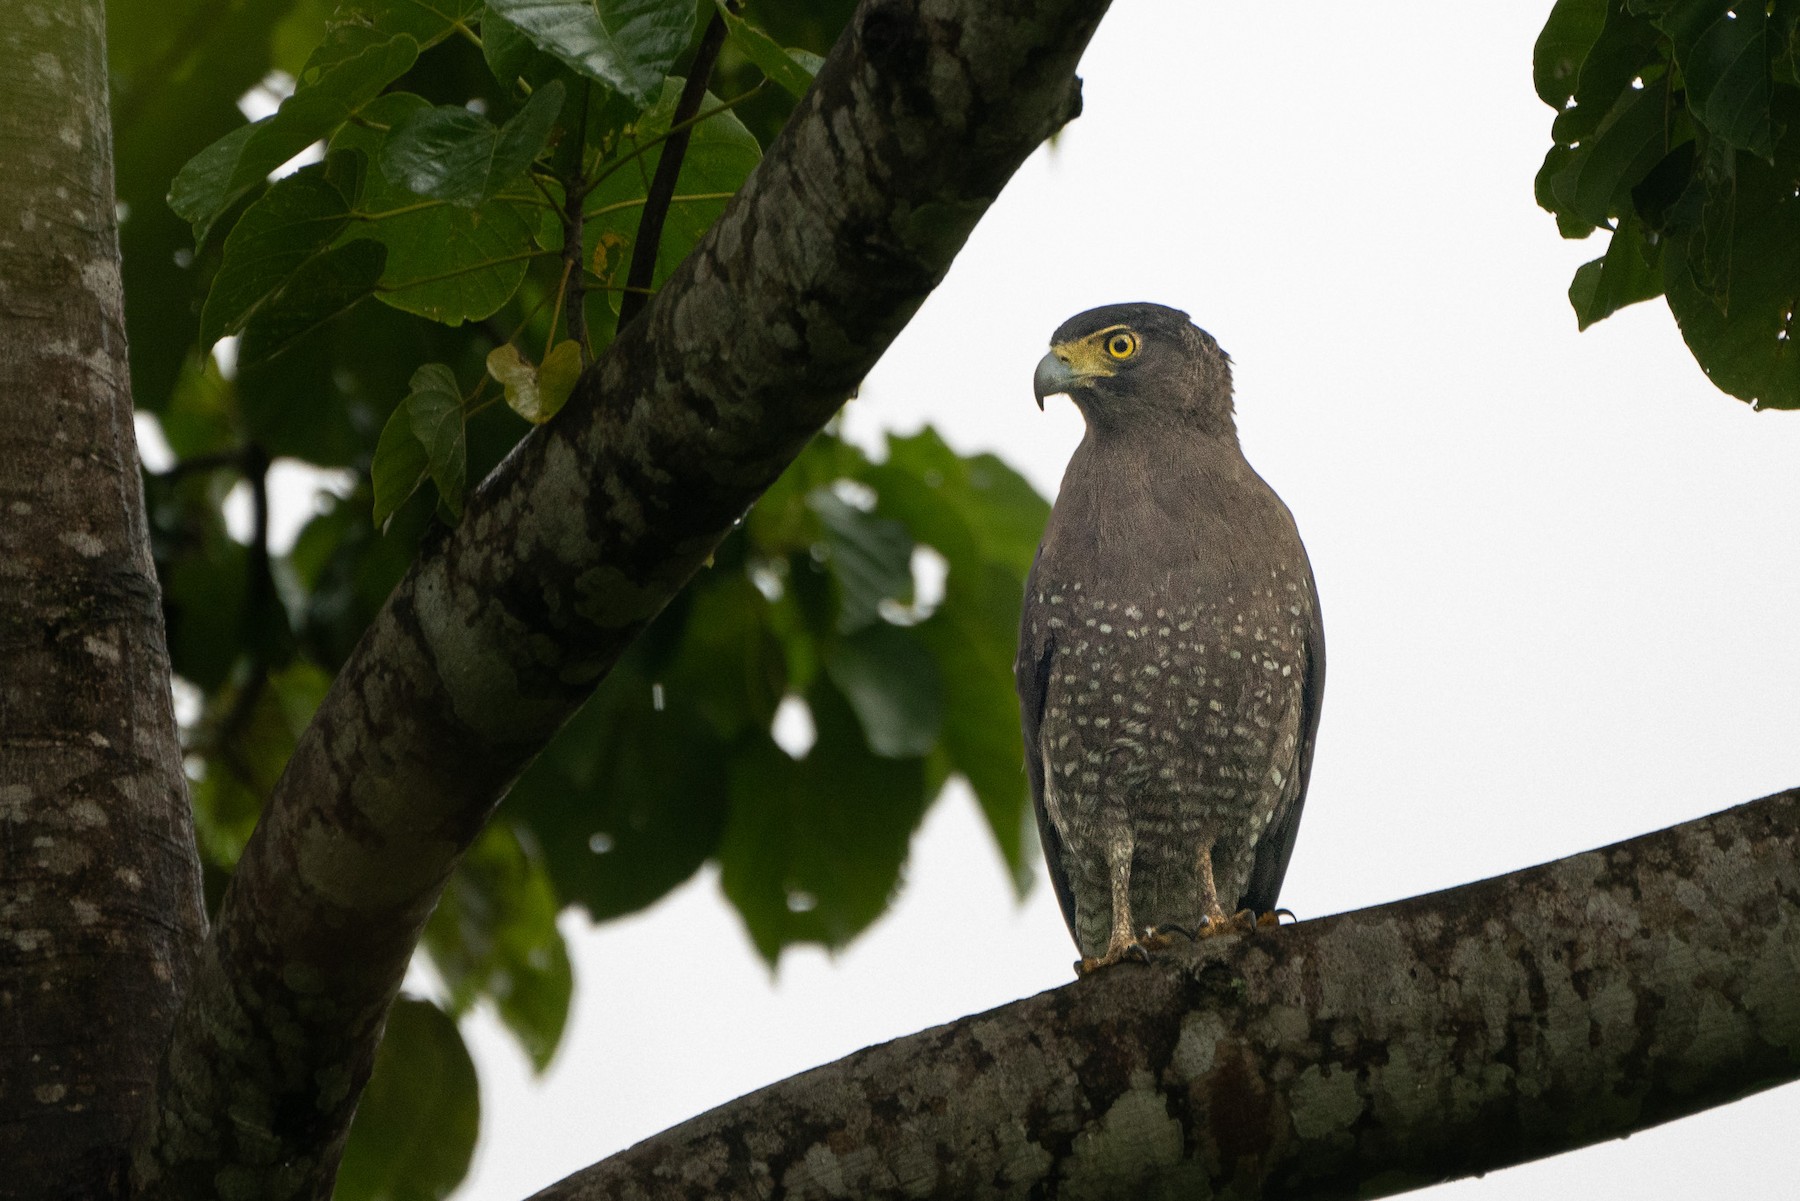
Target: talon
(1273,917)
(1167,928)
(1138,951)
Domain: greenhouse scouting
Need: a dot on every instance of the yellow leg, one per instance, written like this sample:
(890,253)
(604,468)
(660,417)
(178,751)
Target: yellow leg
(1209,894)
(1123,940)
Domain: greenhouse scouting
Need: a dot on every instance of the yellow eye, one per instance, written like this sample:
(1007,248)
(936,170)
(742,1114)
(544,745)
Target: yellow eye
(1122,345)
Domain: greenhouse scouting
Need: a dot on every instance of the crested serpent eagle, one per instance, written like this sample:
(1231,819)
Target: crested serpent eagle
(1171,658)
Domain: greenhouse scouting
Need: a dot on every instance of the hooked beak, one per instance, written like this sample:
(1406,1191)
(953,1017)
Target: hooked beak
(1053,375)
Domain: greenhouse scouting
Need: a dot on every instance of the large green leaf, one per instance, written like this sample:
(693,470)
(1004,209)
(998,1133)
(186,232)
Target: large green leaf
(428,21)
(629,799)
(870,558)
(973,637)
(1569,34)
(1723,52)
(424,438)
(628,45)
(789,73)
(1747,347)
(323,287)
(1630,271)
(294,221)
(447,262)
(434,407)
(813,848)
(891,682)
(952,502)
(415,1126)
(494,935)
(450,153)
(1598,181)
(216,177)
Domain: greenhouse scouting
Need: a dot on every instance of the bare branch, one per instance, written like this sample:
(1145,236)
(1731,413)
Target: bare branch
(920,115)
(642,272)
(1359,1055)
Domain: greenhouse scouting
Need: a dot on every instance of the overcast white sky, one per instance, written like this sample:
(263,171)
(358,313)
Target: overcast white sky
(1559,573)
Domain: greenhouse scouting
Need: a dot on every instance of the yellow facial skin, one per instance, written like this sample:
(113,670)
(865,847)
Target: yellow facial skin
(1097,353)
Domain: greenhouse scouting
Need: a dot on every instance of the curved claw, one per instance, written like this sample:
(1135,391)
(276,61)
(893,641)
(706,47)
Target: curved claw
(1160,934)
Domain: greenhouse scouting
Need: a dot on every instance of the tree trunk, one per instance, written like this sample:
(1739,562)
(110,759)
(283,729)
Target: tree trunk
(100,906)
(1354,1056)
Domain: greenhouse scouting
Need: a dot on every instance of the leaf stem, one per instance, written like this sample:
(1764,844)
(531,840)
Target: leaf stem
(562,286)
(468,270)
(690,198)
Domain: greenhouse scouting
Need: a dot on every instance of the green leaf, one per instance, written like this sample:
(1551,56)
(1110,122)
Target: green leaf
(973,636)
(628,45)
(435,409)
(1569,33)
(1630,271)
(1557,161)
(629,799)
(446,262)
(323,287)
(891,682)
(216,177)
(494,935)
(1597,183)
(415,1126)
(399,467)
(788,73)
(985,519)
(870,558)
(1723,51)
(452,154)
(1627,48)
(945,499)
(428,21)
(1746,346)
(294,221)
(813,849)
(1712,233)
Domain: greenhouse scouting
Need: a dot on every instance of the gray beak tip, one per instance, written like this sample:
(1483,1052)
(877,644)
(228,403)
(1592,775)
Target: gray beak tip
(1052,376)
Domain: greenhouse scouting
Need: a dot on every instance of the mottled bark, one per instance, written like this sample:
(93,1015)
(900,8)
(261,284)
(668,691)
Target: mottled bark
(920,115)
(99,883)
(1358,1055)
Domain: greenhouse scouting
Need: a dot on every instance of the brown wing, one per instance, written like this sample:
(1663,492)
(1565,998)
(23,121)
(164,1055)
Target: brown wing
(1277,845)
(1031,675)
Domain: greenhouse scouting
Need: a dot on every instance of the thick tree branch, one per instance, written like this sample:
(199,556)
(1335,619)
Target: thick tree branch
(99,887)
(1359,1055)
(920,115)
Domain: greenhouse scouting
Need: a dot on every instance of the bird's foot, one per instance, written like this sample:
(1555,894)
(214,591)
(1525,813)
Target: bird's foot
(1217,923)
(1121,949)
(1273,918)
